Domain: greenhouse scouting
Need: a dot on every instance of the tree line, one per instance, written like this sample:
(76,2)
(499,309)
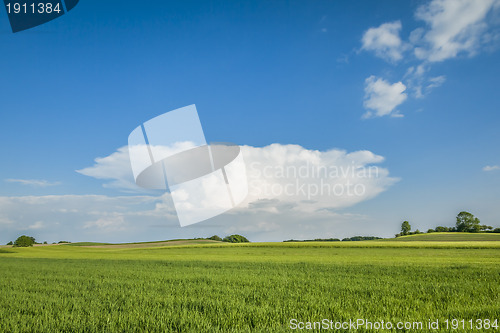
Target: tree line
(348,239)
(465,222)
(27,241)
(230,239)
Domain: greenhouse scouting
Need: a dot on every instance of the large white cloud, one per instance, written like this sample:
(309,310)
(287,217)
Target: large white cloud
(385,41)
(289,173)
(293,193)
(382,97)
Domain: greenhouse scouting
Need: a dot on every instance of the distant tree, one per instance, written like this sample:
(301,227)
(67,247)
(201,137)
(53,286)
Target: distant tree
(405,228)
(485,227)
(430,231)
(10,243)
(24,241)
(359,238)
(235,239)
(466,222)
(216,238)
(45,242)
(496,230)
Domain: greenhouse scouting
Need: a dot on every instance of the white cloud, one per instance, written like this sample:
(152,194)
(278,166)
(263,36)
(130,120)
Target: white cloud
(436,81)
(32,182)
(5,221)
(116,167)
(491,168)
(84,217)
(115,222)
(36,225)
(385,41)
(381,97)
(273,173)
(453,27)
(419,83)
(310,180)
(147,218)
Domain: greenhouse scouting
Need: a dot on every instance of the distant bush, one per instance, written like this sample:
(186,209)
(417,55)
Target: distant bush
(327,240)
(235,239)
(360,238)
(63,242)
(314,240)
(45,242)
(10,243)
(24,241)
(215,238)
(485,228)
(430,231)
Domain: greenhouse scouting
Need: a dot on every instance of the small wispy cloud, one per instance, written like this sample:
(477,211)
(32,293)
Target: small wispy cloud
(37,225)
(491,168)
(32,182)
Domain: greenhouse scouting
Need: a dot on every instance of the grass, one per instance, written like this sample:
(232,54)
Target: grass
(245,288)
(449,237)
(174,242)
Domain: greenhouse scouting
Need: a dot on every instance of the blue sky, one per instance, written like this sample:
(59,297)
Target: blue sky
(283,72)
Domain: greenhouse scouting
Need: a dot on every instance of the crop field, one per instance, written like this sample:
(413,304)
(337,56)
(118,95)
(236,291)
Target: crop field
(256,287)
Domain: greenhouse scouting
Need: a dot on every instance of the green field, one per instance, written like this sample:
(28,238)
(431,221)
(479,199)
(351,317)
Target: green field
(257,287)
(448,237)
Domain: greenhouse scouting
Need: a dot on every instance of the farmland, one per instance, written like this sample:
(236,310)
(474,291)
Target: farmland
(258,287)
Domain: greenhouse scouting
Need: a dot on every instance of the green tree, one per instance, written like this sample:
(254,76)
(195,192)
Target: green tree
(10,243)
(466,222)
(235,239)
(405,228)
(442,229)
(24,241)
(216,238)
(485,227)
